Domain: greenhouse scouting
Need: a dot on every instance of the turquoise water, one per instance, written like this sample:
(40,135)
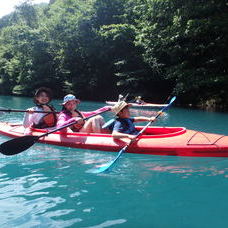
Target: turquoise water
(50,186)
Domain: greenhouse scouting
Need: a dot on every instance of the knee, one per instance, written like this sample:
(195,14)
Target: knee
(98,118)
(95,119)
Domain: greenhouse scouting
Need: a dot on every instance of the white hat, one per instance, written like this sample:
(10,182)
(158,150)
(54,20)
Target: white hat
(70,97)
(119,106)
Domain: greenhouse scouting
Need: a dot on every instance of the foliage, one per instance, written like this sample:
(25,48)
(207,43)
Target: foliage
(99,48)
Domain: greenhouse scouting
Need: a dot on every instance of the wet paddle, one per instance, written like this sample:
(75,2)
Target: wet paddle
(18,110)
(108,165)
(18,145)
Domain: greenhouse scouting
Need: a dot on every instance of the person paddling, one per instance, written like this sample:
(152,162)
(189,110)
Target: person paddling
(42,98)
(139,100)
(70,113)
(120,97)
(123,126)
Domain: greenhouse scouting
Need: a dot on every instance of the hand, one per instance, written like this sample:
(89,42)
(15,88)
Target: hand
(79,124)
(28,131)
(46,108)
(160,113)
(79,120)
(152,119)
(30,110)
(108,107)
(132,137)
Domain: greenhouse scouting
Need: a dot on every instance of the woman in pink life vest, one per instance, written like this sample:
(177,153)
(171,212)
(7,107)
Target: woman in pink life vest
(70,114)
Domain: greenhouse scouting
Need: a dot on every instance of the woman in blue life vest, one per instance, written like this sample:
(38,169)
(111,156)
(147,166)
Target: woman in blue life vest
(32,119)
(124,124)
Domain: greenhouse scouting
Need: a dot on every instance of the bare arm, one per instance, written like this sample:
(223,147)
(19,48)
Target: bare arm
(28,117)
(87,114)
(143,118)
(118,135)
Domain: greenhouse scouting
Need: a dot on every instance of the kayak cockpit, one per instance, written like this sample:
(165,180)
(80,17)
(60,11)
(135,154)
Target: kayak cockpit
(150,132)
(160,132)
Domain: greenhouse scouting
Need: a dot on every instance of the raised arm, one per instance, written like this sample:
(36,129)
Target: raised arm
(87,114)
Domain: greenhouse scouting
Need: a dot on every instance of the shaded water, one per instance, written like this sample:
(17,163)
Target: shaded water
(50,186)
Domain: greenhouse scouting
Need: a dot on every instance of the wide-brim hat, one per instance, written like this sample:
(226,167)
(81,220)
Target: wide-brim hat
(70,97)
(120,106)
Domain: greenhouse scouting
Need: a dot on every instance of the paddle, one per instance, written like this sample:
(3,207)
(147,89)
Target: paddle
(17,145)
(109,164)
(108,123)
(125,98)
(18,110)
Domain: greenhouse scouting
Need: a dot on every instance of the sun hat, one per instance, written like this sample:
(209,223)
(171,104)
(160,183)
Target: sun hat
(70,97)
(119,106)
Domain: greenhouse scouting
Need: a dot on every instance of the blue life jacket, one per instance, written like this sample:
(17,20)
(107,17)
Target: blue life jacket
(125,125)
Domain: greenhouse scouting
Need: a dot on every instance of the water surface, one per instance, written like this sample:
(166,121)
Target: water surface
(50,186)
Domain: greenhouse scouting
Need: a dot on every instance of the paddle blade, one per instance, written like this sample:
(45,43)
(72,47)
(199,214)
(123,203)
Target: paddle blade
(103,168)
(173,99)
(17,145)
(108,165)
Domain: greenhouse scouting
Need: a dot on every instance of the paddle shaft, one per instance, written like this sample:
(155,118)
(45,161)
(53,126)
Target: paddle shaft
(125,98)
(68,125)
(148,124)
(18,110)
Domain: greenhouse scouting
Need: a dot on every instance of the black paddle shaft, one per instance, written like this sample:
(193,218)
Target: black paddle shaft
(18,145)
(18,110)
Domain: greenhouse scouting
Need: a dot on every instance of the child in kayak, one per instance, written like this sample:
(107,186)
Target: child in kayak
(120,98)
(124,127)
(32,119)
(70,114)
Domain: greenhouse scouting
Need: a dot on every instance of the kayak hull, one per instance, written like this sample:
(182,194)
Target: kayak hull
(141,106)
(175,141)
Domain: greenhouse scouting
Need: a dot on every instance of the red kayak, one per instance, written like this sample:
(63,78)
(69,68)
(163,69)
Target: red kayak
(177,141)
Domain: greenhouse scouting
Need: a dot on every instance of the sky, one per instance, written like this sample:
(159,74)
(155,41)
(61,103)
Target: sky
(7,6)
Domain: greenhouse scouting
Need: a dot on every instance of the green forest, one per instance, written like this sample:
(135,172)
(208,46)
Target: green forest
(97,49)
